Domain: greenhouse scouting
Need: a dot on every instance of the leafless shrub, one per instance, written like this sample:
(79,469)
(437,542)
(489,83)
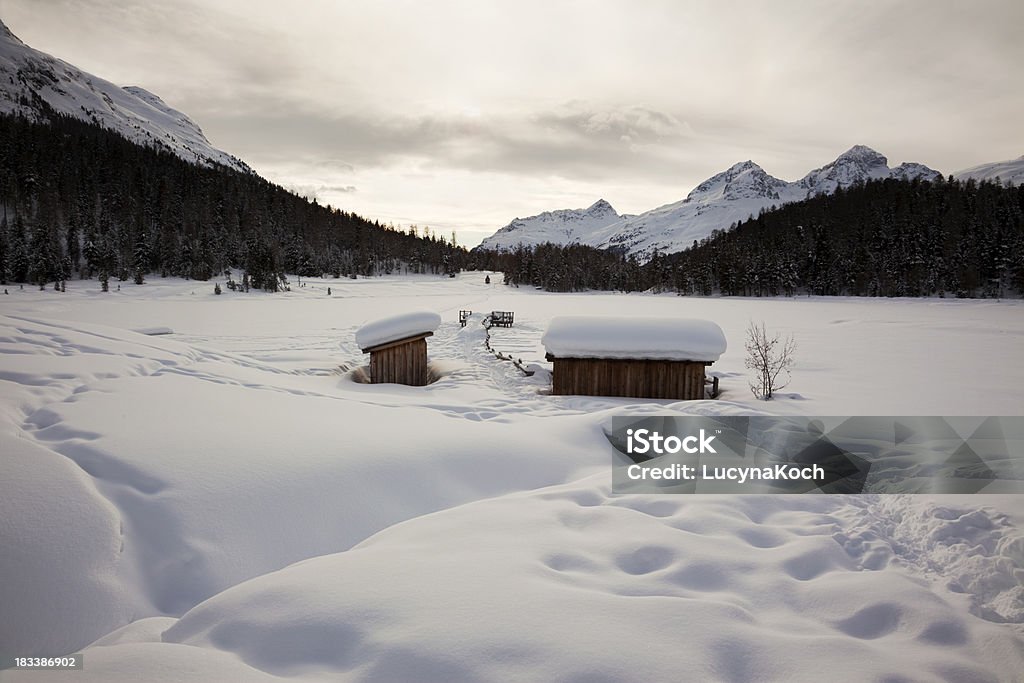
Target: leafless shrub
(768,357)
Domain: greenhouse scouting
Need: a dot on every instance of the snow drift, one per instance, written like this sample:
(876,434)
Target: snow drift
(223,503)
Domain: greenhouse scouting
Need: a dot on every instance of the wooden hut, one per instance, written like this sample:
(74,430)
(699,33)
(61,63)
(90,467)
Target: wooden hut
(398,347)
(632,356)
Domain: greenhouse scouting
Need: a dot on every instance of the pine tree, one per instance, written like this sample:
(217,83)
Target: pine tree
(106,262)
(4,252)
(43,259)
(141,257)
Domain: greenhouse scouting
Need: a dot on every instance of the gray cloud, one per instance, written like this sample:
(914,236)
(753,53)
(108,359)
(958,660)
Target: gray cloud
(624,123)
(319,192)
(575,139)
(643,99)
(184,50)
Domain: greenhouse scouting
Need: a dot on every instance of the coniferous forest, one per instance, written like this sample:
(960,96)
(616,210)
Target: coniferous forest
(82,202)
(880,238)
(79,201)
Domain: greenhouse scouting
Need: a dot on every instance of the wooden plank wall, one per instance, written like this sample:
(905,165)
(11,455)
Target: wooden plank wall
(682,380)
(402,364)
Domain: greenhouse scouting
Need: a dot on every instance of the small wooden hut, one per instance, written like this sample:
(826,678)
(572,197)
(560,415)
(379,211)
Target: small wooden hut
(398,347)
(632,356)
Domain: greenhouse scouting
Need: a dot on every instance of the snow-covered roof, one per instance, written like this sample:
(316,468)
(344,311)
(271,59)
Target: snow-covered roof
(647,338)
(396,327)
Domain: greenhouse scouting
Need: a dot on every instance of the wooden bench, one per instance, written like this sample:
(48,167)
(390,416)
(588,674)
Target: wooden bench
(502,318)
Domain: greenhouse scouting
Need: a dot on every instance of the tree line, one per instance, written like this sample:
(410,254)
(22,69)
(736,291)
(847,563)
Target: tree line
(879,238)
(79,201)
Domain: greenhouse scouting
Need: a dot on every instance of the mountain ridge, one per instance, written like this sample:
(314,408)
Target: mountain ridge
(1009,172)
(564,226)
(733,195)
(35,85)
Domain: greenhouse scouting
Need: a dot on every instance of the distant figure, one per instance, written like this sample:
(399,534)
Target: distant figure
(487,280)
(328,291)
(119,288)
(5,290)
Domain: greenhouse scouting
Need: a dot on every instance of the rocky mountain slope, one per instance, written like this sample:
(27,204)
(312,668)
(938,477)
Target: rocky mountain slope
(35,85)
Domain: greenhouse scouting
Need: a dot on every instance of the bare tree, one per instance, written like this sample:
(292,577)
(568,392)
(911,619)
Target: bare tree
(768,358)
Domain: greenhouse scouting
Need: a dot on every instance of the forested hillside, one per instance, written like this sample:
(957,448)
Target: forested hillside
(881,238)
(79,201)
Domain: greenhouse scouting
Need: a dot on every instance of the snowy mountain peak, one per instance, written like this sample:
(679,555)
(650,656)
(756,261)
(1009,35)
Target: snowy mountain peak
(600,208)
(856,165)
(740,192)
(910,170)
(862,155)
(564,226)
(35,85)
(744,180)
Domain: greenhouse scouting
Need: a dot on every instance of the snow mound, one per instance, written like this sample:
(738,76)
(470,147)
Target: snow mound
(154,331)
(50,511)
(974,551)
(648,338)
(396,327)
(557,584)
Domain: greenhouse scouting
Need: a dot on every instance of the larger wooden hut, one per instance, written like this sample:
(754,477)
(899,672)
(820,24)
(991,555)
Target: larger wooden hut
(632,356)
(398,347)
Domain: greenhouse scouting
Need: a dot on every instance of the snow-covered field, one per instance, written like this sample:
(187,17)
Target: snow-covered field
(224,502)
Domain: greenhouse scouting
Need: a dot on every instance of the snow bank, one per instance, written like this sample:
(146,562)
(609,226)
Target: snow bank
(60,554)
(550,585)
(396,327)
(649,338)
(154,331)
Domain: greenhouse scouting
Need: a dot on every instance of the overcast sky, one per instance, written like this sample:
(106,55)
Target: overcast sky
(463,115)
